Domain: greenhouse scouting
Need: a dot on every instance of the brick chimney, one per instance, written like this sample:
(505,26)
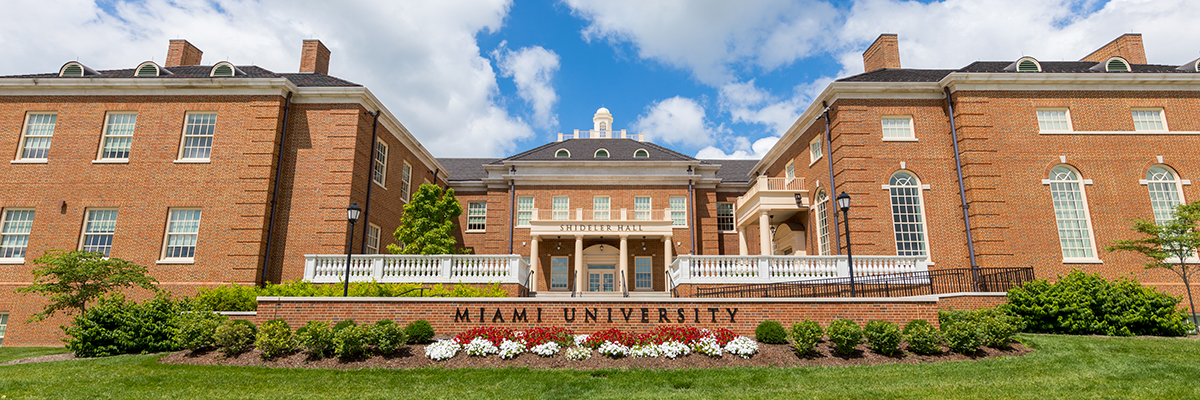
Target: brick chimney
(1128,46)
(314,57)
(182,52)
(884,53)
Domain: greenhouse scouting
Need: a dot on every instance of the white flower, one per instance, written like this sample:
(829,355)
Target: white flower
(613,349)
(742,346)
(579,353)
(442,350)
(481,347)
(545,349)
(707,346)
(673,349)
(646,350)
(510,349)
(579,339)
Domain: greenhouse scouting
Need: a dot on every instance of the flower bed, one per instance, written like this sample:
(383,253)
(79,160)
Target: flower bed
(668,342)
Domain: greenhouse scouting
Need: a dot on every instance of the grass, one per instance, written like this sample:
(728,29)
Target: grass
(15,353)
(1061,367)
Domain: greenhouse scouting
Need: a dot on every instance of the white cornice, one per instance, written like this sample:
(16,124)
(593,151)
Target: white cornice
(143,86)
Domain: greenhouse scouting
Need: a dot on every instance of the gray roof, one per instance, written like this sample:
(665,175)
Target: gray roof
(203,71)
(1048,67)
(585,149)
(466,169)
(734,170)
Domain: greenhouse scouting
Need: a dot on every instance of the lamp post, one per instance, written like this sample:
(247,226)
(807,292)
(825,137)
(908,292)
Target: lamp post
(843,202)
(352,213)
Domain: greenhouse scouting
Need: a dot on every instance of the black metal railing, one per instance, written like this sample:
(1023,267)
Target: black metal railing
(952,280)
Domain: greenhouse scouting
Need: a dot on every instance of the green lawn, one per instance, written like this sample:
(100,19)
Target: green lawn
(15,353)
(1062,367)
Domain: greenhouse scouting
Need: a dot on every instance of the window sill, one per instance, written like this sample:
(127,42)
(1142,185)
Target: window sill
(176,261)
(379,184)
(122,161)
(1120,133)
(1091,260)
(193,161)
(476,231)
(10,261)
(814,161)
(29,161)
(896,139)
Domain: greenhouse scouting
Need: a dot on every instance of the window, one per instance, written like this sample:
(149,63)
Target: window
(524,210)
(379,172)
(98,230)
(725,217)
(822,221)
(897,127)
(1028,65)
(14,232)
(814,150)
(1116,64)
(372,239)
(35,139)
(118,136)
(223,69)
(562,208)
(603,126)
(3,326)
(1164,193)
(1054,120)
(183,226)
(641,273)
(71,69)
(562,153)
(405,181)
(602,153)
(198,136)
(558,273)
(908,215)
(476,216)
(600,208)
(678,211)
(1071,214)
(641,208)
(147,69)
(641,153)
(1149,120)
(789,170)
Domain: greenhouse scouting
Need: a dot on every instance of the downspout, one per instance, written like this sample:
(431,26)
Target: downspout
(837,239)
(512,202)
(287,106)
(370,182)
(691,218)
(962,192)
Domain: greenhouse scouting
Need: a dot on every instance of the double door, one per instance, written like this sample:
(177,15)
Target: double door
(601,278)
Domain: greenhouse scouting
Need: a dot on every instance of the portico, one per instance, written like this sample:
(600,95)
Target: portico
(771,203)
(601,257)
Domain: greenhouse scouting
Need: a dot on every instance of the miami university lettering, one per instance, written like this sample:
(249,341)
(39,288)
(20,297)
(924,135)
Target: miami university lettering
(643,315)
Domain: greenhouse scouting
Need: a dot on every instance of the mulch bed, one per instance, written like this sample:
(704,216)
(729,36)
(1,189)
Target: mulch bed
(769,355)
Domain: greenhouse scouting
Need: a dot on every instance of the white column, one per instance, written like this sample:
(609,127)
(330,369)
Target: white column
(667,246)
(624,263)
(579,278)
(533,260)
(764,233)
(743,249)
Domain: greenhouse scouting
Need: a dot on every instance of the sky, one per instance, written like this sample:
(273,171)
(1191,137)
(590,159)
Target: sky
(491,78)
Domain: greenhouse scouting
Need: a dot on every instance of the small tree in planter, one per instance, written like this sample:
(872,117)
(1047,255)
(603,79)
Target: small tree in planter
(73,279)
(1169,244)
(427,226)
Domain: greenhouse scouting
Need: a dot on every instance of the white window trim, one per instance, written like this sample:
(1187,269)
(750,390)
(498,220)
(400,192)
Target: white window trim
(813,158)
(672,211)
(733,208)
(468,227)
(816,221)
(567,286)
(645,289)
(789,170)
(3,218)
(924,215)
(405,194)
(649,210)
(162,255)
(179,159)
(912,129)
(532,211)
(379,143)
(1070,123)
(1087,210)
(608,211)
(1162,114)
(100,159)
(19,157)
(83,228)
(378,238)
(566,210)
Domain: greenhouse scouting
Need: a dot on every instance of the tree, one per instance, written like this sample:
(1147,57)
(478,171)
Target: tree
(427,225)
(1169,244)
(73,279)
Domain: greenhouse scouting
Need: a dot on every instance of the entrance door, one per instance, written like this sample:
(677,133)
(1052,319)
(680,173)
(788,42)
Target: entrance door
(601,278)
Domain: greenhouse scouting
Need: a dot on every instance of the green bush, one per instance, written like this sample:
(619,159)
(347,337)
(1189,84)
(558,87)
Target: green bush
(350,341)
(229,298)
(770,332)
(922,337)
(964,336)
(805,336)
(387,337)
(243,298)
(419,331)
(845,335)
(999,328)
(883,337)
(316,338)
(275,339)
(1087,304)
(115,326)
(195,327)
(234,336)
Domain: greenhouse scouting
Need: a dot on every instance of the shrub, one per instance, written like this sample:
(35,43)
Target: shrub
(195,328)
(316,338)
(1087,304)
(275,339)
(387,337)
(999,327)
(350,341)
(770,332)
(883,337)
(243,298)
(922,338)
(845,335)
(229,298)
(115,326)
(234,336)
(342,325)
(419,331)
(964,337)
(805,336)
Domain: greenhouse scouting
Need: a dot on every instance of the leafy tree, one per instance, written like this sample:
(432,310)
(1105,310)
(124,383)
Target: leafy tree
(1169,244)
(427,225)
(73,279)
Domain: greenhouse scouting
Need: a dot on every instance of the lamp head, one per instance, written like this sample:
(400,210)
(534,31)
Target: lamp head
(353,212)
(843,201)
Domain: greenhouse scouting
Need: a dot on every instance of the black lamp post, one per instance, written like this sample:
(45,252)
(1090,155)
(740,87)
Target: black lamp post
(843,202)
(352,213)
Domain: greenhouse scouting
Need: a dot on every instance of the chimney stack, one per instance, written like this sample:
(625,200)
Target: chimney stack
(181,53)
(884,53)
(314,57)
(1128,46)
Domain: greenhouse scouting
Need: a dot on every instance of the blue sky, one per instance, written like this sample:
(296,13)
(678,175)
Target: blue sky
(489,78)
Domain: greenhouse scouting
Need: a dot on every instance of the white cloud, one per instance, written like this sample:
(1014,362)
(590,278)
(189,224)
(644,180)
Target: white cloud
(532,70)
(744,149)
(677,120)
(420,58)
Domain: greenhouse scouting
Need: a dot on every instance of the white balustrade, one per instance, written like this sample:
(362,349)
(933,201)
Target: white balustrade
(392,268)
(769,269)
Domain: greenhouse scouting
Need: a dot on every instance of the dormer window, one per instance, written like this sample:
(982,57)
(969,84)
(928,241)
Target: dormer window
(224,69)
(1191,66)
(562,153)
(602,153)
(147,69)
(1116,64)
(641,153)
(71,69)
(1028,64)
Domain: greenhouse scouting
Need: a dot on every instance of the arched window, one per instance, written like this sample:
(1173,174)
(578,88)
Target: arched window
(147,69)
(603,126)
(1028,64)
(223,68)
(822,221)
(908,215)
(1116,64)
(641,153)
(1071,213)
(71,69)
(1164,193)
(562,153)
(602,153)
